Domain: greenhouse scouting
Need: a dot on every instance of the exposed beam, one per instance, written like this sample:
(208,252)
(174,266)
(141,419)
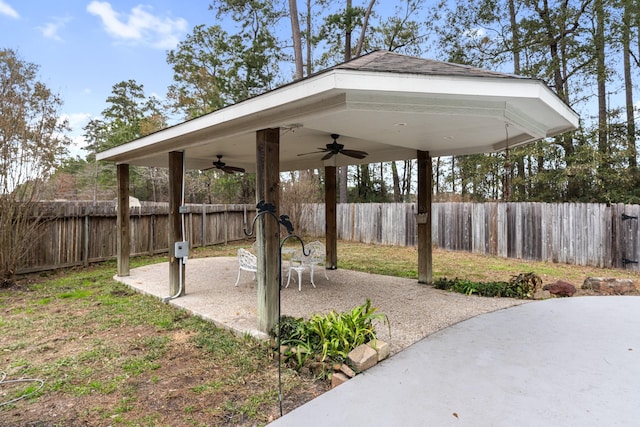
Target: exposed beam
(123,234)
(268,246)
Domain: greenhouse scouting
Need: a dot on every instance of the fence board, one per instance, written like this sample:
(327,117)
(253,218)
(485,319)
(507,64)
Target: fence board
(581,234)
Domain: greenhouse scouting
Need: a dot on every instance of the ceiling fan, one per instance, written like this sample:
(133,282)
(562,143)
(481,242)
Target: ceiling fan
(219,164)
(335,148)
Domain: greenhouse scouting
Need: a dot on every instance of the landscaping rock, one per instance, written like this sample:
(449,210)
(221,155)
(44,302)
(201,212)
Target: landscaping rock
(338,378)
(560,289)
(345,369)
(541,294)
(317,367)
(363,357)
(381,347)
(610,285)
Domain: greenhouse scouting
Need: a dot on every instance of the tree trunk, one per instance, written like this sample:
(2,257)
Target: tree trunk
(365,24)
(396,182)
(601,74)
(515,36)
(628,89)
(406,184)
(343,171)
(347,35)
(437,180)
(297,39)
(555,40)
(309,32)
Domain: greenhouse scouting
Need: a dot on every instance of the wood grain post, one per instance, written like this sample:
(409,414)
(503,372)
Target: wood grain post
(425,246)
(331,231)
(268,189)
(122,222)
(176,161)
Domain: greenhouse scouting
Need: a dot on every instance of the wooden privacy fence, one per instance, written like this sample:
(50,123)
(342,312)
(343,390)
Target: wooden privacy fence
(600,235)
(592,234)
(79,233)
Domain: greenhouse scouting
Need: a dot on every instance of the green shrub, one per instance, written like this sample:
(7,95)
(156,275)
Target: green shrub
(330,337)
(522,286)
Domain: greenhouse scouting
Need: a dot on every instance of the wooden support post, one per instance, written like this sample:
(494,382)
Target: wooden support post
(425,247)
(268,246)
(331,231)
(123,239)
(176,165)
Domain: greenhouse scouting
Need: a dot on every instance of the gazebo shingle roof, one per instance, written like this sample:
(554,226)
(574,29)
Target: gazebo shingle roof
(385,61)
(384,103)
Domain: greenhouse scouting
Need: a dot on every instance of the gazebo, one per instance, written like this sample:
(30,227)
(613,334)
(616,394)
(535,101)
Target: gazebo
(391,106)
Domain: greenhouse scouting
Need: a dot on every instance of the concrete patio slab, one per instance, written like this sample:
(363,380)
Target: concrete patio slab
(559,362)
(414,310)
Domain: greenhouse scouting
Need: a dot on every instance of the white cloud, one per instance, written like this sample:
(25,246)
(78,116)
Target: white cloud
(6,9)
(139,25)
(77,121)
(50,29)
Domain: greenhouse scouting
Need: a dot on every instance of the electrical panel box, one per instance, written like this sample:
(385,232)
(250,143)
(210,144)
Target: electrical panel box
(181,250)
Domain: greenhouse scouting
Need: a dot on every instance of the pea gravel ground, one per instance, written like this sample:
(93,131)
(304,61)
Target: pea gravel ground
(414,310)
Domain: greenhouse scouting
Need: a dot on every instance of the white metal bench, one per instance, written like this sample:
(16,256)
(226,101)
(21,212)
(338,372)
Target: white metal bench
(247,262)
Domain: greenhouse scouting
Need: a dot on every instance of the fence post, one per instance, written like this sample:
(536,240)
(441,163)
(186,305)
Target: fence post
(152,231)
(225,215)
(204,225)
(85,241)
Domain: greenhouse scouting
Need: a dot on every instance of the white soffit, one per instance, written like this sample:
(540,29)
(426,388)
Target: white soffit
(389,115)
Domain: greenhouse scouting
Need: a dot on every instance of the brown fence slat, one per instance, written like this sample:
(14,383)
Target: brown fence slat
(584,234)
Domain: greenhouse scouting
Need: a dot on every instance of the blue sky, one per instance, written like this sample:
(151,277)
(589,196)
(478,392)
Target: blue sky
(84,47)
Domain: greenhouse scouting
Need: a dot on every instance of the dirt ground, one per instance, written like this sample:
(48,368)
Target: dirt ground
(82,363)
(163,397)
(111,376)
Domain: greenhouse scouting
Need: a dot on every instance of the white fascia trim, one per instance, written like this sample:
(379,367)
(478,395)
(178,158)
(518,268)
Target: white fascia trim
(452,86)
(283,96)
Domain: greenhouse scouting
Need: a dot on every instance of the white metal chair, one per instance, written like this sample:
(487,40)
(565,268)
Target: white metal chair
(299,261)
(247,262)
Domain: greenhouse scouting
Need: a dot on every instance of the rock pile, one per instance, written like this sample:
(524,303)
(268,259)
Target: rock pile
(362,358)
(610,285)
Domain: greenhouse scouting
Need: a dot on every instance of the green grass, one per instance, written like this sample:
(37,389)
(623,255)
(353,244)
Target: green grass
(110,353)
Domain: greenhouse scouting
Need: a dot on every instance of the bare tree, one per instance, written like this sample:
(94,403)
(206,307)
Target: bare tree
(32,142)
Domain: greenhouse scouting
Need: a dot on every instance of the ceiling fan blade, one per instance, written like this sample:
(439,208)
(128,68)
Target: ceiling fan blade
(220,165)
(321,150)
(208,169)
(356,154)
(328,155)
(232,169)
